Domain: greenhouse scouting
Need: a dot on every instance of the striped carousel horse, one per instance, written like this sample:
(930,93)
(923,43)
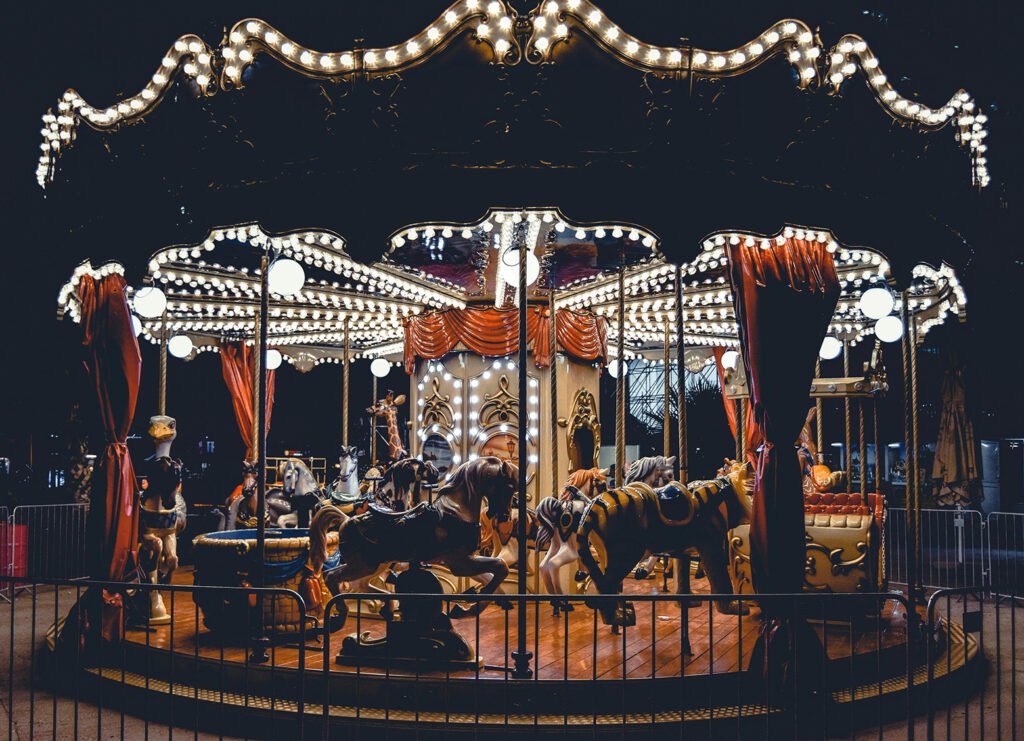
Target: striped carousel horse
(624,525)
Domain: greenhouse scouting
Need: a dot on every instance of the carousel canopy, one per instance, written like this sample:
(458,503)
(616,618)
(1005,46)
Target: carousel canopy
(212,287)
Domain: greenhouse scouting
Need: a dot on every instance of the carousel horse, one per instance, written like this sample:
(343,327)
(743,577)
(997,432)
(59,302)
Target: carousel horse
(299,492)
(817,477)
(656,471)
(162,516)
(388,409)
(624,525)
(400,487)
(345,488)
(557,521)
(445,532)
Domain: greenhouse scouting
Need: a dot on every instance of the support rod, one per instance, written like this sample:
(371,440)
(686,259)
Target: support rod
(863,445)
(819,425)
(911,327)
(162,399)
(620,382)
(847,427)
(521,655)
(553,383)
(908,402)
(683,461)
(373,424)
(259,651)
(345,391)
(666,443)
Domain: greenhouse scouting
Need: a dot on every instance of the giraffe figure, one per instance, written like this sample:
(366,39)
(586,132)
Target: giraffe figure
(388,409)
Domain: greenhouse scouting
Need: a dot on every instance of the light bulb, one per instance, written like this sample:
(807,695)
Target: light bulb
(136,325)
(150,302)
(380,367)
(830,348)
(273,359)
(180,346)
(889,328)
(613,368)
(729,359)
(510,272)
(285,277)
(876,302)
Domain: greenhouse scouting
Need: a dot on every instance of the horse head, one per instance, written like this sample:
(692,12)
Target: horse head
(588,482)
(653,470)
(348,463)
(488,477)
(741,477)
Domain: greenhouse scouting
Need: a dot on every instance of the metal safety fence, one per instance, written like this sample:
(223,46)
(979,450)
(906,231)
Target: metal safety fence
(959,548)
(43,541)
(683,669)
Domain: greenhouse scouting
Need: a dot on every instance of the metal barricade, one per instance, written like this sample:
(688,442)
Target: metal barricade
(1005,543)
(47,541)
(953,548)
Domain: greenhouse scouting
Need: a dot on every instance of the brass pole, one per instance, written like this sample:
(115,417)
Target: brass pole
(878,449)
(910,544)
(162,399)
(683,460)
(255,391)
(667,432)
(863,455)
(620,382)
(741,424)
(819,426)
(553,384)
(373,425)
(848,449)
(345,392)
(522,655)
(912,325)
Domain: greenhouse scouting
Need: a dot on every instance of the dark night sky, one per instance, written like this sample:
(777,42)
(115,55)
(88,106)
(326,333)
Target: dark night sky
(101,48)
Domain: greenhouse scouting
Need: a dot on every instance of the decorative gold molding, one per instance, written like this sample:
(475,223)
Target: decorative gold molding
(584,415)
(499,407)
(437,408)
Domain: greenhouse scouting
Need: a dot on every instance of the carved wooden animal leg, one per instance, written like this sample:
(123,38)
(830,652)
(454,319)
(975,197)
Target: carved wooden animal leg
(473,565)
(559,554)
(621,557)
(683,587)
(715,561)
(355,568)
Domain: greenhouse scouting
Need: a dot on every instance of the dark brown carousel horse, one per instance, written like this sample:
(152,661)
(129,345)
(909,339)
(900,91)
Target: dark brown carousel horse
(446,532)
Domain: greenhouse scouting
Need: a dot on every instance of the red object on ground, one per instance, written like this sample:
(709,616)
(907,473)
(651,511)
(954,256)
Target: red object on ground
(13,550)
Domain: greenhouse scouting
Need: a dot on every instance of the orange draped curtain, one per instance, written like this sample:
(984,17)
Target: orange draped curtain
(114,364)
(489,331)
(751,432)
(236,364)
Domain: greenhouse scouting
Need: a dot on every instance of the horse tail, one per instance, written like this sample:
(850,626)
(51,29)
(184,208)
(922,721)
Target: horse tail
(328,518)
(591,523)
(547,512)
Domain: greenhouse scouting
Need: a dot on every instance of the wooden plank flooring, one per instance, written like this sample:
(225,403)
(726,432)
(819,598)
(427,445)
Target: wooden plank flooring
(571,646)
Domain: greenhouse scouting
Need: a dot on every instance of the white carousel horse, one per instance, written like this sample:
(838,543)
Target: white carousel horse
(445,532)
(345,488)
(299,490)
(557,520)
(162,515)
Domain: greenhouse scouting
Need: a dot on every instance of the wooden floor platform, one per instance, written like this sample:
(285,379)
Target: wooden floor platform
(570,646)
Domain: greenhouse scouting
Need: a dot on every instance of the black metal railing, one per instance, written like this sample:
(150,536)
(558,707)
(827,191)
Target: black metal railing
(885,671)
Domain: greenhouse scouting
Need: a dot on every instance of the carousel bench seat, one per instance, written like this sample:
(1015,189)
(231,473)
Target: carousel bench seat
(844,545)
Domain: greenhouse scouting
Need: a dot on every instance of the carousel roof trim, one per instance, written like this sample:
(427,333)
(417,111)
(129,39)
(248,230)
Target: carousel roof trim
(209,70)
(67,297)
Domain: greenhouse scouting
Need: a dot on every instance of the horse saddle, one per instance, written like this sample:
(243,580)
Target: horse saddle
(165,519)
(676,505)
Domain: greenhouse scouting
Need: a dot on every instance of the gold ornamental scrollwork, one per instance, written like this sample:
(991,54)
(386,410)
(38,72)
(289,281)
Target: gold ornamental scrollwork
(502,406)
(437,408)
(583,416)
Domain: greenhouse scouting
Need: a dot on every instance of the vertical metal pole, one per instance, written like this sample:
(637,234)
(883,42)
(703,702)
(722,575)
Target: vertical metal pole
(259,652)
(345,360)
(683,462)
(553,383)
(256,411)
(863,454)
(910,546)
(620,382)
(162,398)
(667,432)
(373,424)
(878,448)
(911,326)
(741,429)
(521,656)
(847,451)
(819,427)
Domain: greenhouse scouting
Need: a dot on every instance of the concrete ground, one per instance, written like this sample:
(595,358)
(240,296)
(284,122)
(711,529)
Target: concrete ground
(27,713)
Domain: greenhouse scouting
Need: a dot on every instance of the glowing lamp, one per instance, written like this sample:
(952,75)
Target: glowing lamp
(285,277)
(180,346)
(729,359)
(613,368)
(889,329)
(150,302)
(510,272)
(380,367)
(136,325)
(274,359)
(876,303)
(830,348)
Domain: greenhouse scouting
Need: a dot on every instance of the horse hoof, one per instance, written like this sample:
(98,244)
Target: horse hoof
(581,575)
(733,607)
(640,574)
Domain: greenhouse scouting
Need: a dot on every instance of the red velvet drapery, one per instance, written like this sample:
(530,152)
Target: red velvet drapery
(236,364)
(785,297)
(751,432)
(114,364)
(489,331)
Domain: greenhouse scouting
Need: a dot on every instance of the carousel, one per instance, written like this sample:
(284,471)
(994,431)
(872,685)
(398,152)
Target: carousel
(497,556)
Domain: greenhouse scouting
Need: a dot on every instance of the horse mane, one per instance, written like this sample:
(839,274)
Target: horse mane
(582,478)
(473,474)
(640,469)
